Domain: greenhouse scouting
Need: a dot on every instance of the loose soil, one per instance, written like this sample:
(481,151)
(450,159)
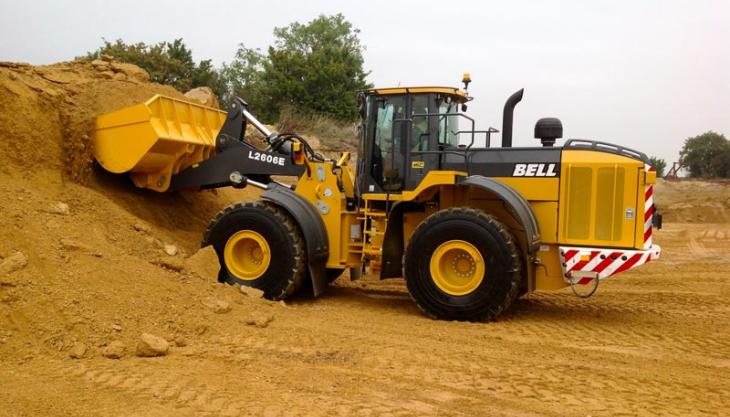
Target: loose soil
(88,264)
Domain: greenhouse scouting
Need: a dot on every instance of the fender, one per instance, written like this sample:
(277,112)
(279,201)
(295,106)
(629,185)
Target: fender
(522,211)
(514,200)
(313,229)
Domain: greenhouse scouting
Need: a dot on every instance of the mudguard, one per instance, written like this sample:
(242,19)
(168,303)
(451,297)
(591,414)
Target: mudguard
(313,230)
(522,211)
(514,200)
(394,241)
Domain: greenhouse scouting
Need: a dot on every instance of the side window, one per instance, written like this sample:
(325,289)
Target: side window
(388,159)
(448,125)
(419,129)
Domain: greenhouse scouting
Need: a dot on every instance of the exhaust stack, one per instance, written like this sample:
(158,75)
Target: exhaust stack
(509,108)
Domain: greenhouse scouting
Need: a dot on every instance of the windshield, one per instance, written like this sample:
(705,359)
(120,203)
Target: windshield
(449,125)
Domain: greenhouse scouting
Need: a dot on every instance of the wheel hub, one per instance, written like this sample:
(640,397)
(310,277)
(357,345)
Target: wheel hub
(247,255)
(457,267)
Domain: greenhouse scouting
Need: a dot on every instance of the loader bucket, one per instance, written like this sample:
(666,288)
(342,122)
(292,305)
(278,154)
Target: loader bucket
(156,139)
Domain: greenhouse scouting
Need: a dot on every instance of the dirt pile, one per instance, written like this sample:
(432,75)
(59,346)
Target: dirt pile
(48,112)
(694,201)
(204,96)
(88,263)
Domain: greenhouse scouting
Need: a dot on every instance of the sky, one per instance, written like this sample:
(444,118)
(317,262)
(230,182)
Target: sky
(640,73)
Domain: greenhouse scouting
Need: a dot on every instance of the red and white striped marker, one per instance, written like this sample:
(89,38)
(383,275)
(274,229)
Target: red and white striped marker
(586,263)
(648,209)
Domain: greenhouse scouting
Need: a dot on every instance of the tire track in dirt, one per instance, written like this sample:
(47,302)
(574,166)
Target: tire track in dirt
(607,335)
(444,373)
(187,396)
(621,318)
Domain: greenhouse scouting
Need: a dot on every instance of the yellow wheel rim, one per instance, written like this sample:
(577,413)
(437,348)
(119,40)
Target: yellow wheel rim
(457,267)
(247,255)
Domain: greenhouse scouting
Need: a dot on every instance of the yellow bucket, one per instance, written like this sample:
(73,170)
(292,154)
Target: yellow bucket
(156,139)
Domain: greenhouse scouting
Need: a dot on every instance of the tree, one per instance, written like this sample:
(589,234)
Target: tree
(243,77)
(315,67)
(707,155)
(204,74)
(312,69)
(659,165)
(167,63)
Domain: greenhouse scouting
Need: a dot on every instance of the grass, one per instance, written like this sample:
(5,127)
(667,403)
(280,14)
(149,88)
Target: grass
(334,136)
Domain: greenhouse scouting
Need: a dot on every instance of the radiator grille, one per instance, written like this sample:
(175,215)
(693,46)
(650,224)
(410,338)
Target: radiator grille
(579,202)
(595,201)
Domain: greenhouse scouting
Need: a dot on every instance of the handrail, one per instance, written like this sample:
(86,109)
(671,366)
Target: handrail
(606,147)
(473,131)
(463,152)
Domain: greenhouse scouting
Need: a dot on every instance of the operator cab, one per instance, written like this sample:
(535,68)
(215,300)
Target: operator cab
(406,130)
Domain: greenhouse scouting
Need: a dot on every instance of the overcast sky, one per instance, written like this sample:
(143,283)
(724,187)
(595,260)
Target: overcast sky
(644,74)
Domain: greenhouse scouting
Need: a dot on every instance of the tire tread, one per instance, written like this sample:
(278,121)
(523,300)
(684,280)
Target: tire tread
(293,231)
(516,275)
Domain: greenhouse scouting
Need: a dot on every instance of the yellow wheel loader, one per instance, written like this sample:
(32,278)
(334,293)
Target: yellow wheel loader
(470,226)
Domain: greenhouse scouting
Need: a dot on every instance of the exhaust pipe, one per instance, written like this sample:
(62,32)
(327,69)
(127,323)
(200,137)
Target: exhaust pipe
(509,108)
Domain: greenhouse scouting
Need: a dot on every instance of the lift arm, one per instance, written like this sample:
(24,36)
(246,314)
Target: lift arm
(237,162)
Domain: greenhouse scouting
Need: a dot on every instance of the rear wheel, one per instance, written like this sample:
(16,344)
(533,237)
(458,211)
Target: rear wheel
(462,264)
(260,246)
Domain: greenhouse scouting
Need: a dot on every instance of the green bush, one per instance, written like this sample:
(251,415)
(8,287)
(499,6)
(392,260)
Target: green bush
(706,155)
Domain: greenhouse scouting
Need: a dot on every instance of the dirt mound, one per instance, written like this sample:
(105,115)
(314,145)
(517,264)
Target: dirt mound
(204,96)
(48,112)
(694,201)
(87,259)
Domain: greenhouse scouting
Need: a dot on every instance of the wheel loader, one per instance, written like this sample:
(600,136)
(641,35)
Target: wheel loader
(470,226)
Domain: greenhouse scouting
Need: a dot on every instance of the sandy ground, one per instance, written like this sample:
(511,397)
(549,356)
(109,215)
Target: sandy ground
(651,342)
(87,265)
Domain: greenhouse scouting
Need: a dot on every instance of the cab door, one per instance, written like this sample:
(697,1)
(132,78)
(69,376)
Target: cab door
(422,139)
(434,127)
(389,154)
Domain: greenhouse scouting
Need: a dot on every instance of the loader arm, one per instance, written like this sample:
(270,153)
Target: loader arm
(236,166)
(238,162)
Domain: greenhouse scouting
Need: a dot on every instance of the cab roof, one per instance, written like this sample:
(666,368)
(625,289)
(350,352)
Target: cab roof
(456,93)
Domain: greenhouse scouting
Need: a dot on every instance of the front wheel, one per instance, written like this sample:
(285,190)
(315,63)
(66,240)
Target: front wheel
(462,264)
(258,245)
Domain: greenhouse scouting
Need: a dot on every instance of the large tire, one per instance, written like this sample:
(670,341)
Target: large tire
(242,236)
(445,243)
